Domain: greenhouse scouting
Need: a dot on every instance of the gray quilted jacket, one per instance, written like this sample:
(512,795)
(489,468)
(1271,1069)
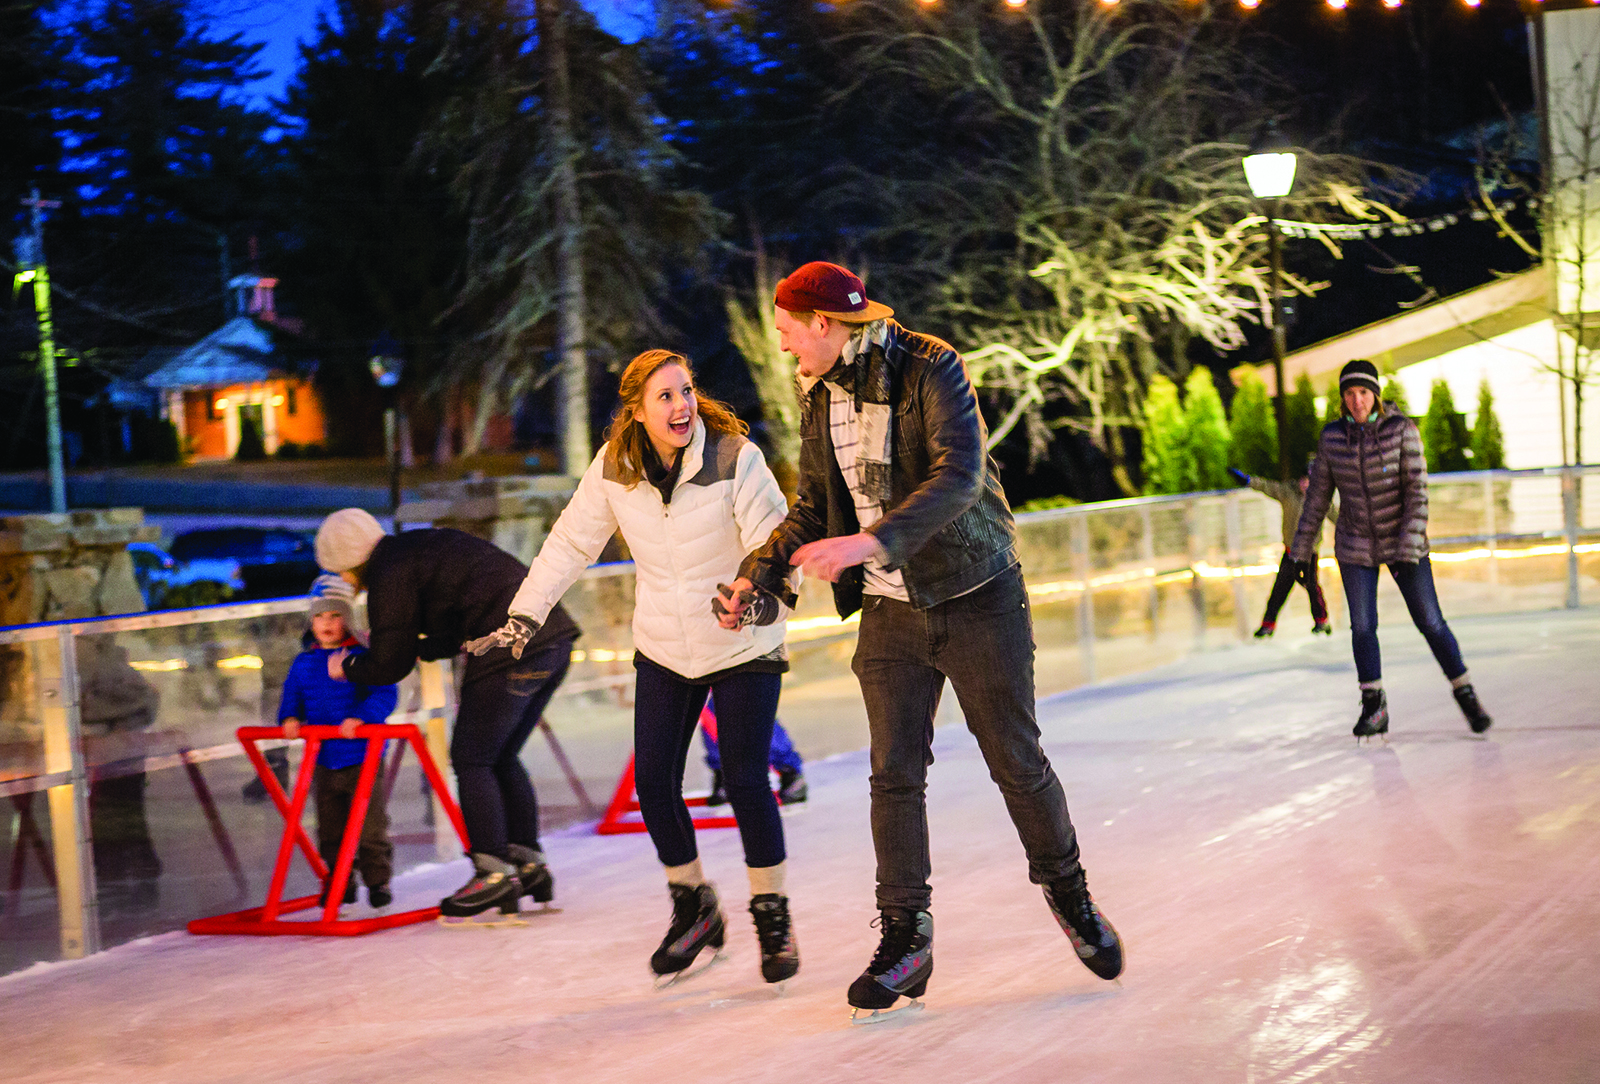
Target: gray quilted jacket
(1382,479)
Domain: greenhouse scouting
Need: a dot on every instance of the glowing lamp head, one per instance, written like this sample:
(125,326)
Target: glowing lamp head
(1271,174)
(1249,5)
(1016,5)
(1338,5)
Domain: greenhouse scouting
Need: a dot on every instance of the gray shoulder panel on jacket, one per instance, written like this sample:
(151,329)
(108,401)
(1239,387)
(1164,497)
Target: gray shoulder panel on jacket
(609,469)
(719,462)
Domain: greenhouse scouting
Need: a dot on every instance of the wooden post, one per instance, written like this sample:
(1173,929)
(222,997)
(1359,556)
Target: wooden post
(438,704)
(76,894)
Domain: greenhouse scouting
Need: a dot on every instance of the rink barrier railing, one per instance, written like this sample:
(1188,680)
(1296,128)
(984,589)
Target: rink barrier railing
(1234,553)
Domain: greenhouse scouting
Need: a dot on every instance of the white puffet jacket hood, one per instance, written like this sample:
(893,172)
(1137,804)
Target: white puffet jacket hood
(725,504)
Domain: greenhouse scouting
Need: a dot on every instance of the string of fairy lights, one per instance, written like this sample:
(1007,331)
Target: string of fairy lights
(1404,227)
(1248,5)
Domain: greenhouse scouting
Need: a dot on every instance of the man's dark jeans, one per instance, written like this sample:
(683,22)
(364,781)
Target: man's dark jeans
(1416,587)
(983,642)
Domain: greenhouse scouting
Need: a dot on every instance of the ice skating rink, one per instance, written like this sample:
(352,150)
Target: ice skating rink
(1295,909)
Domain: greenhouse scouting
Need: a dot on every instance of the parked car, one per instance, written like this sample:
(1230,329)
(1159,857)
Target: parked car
(273,562)
(167,583)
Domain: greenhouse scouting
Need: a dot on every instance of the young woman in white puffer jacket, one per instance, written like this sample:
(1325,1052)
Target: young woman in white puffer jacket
(691,497)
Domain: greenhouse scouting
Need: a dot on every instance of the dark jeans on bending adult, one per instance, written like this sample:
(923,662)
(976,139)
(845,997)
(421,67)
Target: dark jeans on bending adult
(1290,573)
(983,642)
(497,713)
(1416,587)
(666,707)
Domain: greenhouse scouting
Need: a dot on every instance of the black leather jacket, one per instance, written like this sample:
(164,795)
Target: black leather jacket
(947,526)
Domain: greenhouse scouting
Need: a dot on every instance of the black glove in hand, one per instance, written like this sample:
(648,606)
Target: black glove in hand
(515,634)
(760,607)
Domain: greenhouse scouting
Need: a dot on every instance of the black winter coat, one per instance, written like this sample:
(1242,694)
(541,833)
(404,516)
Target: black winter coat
(947,525)
(1382,478)
(428,592)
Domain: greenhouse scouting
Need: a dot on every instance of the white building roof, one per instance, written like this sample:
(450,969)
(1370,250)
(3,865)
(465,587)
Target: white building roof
(238,352)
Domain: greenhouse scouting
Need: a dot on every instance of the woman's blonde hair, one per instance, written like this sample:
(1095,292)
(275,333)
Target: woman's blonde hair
(627,437)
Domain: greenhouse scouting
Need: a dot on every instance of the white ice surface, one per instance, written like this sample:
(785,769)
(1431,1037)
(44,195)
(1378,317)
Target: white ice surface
(1295,909)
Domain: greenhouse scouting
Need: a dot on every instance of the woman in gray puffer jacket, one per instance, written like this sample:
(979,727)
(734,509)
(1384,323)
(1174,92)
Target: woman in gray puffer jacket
(1373,456)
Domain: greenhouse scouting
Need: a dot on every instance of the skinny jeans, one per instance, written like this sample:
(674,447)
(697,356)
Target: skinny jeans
(497,713)
(666,708)
(982,643)
(1415,580)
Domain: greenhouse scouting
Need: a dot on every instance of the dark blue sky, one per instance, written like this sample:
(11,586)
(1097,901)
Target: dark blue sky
(283,23)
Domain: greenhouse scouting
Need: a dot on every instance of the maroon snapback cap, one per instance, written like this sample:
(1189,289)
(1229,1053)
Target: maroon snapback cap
(830,290)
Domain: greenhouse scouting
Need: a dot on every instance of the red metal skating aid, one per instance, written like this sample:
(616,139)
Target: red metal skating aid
(267,919)
(622,814)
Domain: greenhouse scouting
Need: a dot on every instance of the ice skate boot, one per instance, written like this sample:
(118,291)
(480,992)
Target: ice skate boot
(697,921)
(379,896)
(1092,937)
(900,968)
(1477,718)
(1322,627)
(494,884)
(534,874)
(1374,715)
(1266,630)
(780,956)
(791,787)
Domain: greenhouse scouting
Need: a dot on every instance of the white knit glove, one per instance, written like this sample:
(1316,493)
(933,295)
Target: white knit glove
(515,634)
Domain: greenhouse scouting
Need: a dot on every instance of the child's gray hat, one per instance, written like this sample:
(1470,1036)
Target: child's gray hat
(330,594)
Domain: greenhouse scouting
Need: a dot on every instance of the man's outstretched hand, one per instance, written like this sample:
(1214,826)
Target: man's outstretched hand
(826,558)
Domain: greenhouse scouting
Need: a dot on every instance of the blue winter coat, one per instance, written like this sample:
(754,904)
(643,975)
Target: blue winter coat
(314,698)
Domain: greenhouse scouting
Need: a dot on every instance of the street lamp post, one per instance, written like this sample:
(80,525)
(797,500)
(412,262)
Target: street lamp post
(1269,167)
(386,366)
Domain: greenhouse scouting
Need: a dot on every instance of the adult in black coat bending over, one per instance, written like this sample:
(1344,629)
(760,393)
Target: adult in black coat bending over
(428,591)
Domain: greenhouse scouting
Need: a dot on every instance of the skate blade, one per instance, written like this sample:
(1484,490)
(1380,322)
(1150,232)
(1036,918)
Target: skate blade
(478,922)
(884,1016)
(699,967)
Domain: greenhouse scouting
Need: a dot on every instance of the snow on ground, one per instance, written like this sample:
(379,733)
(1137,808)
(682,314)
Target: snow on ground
(1295,908)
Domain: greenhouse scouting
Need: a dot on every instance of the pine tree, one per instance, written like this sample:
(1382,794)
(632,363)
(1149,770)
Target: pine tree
(1444,436)
(1394,393)
(1206,426)
(1168,460)
(1488,446)
(1304,430)
(167,163)
(1333,408)
(1253,447)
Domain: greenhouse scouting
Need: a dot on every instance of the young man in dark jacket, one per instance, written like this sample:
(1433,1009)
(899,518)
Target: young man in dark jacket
(428,592)
(900,507)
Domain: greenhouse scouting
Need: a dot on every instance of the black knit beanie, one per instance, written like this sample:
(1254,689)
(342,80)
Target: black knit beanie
(1359,374)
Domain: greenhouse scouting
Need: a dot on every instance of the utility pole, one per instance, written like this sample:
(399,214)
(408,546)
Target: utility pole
(31,268)
(571,356)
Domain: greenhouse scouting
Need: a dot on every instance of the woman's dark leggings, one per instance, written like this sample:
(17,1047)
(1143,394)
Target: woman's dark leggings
(665,710)
(1416,587)
(497,713)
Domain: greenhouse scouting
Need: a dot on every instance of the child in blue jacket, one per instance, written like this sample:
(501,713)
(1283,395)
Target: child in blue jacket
(312,698)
